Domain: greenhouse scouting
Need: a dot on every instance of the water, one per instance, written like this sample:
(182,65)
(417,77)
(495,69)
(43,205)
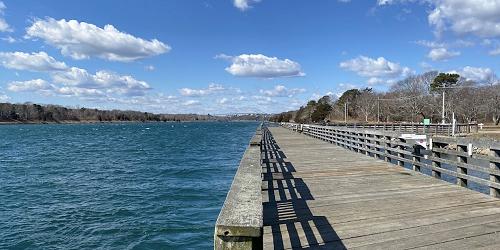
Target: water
(116,186)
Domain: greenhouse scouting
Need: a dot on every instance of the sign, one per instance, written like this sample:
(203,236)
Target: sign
(427,121)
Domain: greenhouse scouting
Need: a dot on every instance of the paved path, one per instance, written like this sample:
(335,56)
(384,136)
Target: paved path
(320,196)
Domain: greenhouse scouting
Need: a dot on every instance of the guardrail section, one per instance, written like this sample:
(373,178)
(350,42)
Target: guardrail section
(471,162)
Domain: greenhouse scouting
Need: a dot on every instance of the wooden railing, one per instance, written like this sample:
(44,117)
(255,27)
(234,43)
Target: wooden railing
(240,222)
(432,129)
(474,163)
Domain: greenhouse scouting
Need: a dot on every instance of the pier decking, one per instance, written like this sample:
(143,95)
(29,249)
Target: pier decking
(318,195)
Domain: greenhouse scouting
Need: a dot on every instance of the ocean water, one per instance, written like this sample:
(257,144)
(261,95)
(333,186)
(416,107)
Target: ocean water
(116,186)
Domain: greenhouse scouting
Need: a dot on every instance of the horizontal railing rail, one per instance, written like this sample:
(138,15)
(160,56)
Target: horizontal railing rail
(431,129)
(468,160)
(240,221)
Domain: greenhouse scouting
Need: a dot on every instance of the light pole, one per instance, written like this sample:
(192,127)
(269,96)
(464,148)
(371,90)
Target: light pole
(378,109)
(442,115)
(346,105)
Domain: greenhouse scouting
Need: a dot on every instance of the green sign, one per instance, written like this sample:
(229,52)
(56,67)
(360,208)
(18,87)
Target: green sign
(427,121)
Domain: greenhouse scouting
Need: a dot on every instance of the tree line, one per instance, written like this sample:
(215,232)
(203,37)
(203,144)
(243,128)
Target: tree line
(409,100)
(35,113)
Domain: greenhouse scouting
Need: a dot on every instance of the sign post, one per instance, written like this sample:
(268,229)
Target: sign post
(427,122)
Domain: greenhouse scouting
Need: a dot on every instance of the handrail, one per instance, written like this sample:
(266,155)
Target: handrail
(240,222)
(431,129)
(388,145)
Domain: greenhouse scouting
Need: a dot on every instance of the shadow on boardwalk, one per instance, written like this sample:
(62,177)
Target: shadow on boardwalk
(286,211)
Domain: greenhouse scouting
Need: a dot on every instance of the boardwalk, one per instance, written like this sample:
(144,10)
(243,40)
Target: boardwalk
(319,196)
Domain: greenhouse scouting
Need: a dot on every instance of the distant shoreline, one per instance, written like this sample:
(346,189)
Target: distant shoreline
(110,122)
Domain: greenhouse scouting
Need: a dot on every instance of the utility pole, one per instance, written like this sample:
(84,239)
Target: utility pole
(345,111)
(378,109)
(442,115)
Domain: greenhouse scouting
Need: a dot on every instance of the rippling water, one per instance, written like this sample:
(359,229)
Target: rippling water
(116,186)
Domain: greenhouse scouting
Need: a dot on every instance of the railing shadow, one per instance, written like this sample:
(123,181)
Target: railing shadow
(287,205)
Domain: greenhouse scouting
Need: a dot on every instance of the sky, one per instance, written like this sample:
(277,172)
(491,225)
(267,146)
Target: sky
(234,56)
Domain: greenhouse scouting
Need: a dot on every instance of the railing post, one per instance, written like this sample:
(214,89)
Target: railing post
(360,142)
(367,141)
(436,173)
(387,148)
(416,160)
(401,155)
(461,170)
(495,192)
(377,149)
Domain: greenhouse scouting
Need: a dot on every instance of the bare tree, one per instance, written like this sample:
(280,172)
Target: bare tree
(367,103)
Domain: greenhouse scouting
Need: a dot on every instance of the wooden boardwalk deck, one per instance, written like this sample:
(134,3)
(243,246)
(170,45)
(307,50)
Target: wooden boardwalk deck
(320,196)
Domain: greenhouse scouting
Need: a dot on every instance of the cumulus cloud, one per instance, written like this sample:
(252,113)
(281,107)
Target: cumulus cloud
(374,81)
(81,40)
(36,61)
(477,74)
(223,100)
(111,82)
(441,54)
(370,67)
(69,81)
(36,85)
(212,88)
(281,91)
(244,4)
(477,17)
(9,39)
(45,88)
(4,26)
(430,44)
(258,65)
(191,103)
(4,98)
(495,52)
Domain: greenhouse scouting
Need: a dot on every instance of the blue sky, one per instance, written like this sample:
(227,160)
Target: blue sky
(227,56)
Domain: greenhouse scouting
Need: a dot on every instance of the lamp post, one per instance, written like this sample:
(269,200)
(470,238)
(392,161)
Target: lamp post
(442,115)
(346,111)
(378,109)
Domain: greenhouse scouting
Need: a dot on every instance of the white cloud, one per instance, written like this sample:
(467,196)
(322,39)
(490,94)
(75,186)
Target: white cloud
(374,81)
(477,17)
(263,100)
(45,88)
(258,65)
(281,91)
(81,40)
(380,67)
(441,54)
(244,4)
(149,68)
(108,81)
(223,100)
(4,26)
(480,75)
(212,88)
(4,98)
(495,52)
(69,81)
(35,85)
(32,62)
(75,91)
(191,103)
(430,44)
(9,39)
(425,66)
